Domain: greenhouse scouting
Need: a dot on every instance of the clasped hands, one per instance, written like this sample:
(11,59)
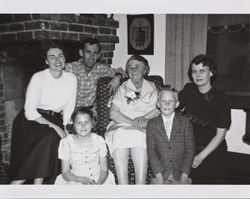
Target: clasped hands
(140,122)
(86,180)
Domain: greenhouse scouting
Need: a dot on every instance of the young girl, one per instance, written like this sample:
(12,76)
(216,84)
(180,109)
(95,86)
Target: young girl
(83,155)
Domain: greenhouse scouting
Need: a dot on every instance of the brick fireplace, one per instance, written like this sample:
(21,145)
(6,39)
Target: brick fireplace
(21,38)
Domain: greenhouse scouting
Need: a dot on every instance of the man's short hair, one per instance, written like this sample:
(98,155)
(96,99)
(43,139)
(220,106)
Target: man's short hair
(91,41)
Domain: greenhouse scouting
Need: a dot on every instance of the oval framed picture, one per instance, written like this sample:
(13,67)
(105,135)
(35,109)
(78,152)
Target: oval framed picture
(141,34)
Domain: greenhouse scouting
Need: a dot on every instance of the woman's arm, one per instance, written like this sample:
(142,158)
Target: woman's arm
(142,121)
(33,96)
(115,82)
(155,112)
(212,145)
(70,102)
(60,132)
(104,170)
(116,115)
(111,72)
(68,176)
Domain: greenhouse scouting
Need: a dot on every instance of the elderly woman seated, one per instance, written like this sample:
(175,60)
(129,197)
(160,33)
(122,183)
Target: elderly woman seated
(132,106)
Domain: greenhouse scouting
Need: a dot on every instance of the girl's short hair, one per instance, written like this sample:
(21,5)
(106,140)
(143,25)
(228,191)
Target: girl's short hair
(206,61)
(141,59)
(82,110)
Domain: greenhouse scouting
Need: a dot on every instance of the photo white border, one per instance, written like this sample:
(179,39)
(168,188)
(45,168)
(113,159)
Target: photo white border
(128,7)
(124,191)
(125,6)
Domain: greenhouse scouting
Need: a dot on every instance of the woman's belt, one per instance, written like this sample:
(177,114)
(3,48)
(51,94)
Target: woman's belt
(48,112)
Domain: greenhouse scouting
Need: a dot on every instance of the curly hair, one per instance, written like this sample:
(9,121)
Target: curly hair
(206,61)
(141,59)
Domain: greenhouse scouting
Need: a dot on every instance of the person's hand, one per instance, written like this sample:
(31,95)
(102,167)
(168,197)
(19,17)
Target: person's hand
(59,131)
(120,70)
(140,122)
(85,180)
(135,122)
(185,179)
(91,182)
(66,130)
(114,84)
(197,160)
(158,179)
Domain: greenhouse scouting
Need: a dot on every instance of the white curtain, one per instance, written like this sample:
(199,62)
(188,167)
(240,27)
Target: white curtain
(186,37)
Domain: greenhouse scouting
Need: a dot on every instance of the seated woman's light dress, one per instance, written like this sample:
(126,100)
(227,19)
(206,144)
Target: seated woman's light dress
(123,135)
(84,161)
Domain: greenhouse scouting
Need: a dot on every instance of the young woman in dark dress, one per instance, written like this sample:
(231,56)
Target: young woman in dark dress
(208,109)
(50,101)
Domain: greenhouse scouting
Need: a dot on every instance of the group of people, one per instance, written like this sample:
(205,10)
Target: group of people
(172,131)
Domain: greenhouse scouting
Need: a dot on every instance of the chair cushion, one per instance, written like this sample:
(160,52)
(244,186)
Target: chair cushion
(4,173)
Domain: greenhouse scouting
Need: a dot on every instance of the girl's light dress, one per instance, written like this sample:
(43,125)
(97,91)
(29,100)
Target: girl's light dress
(84,161)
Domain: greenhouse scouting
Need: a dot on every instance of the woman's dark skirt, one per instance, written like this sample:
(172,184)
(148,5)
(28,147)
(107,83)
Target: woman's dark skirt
(34,149)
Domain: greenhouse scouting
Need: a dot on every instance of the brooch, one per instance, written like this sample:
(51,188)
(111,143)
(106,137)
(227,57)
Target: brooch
(132,96)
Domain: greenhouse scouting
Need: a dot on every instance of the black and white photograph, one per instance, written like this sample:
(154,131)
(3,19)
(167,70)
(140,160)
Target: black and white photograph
(129,103)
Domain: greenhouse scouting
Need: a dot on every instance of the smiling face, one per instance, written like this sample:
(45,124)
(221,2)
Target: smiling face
(55,59)
(83,124)
(90,54)
(167,102)
(201,75)
(136,70)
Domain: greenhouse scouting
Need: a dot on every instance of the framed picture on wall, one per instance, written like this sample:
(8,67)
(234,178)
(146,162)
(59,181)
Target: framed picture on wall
(141,34)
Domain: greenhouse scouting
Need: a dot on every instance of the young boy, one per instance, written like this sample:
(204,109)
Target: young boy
(170,141)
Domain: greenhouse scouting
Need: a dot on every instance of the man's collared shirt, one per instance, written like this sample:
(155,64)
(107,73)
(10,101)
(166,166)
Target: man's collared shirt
(87,83)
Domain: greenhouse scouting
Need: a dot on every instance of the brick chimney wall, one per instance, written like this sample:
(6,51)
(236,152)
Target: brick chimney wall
(21,36)
(65,27)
